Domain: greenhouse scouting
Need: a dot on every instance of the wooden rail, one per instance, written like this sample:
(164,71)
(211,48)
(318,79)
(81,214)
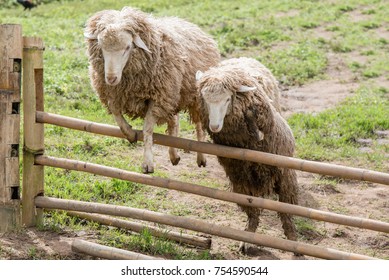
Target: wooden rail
(223,151)
(106,252)
(197,225)
(212,193)
(197,241)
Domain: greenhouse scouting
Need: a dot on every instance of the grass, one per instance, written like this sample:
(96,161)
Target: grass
(333,134)
(307,229)
(283,35)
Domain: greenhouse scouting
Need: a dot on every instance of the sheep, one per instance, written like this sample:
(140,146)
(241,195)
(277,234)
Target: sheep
(237,110)
(263,75)
(144,67)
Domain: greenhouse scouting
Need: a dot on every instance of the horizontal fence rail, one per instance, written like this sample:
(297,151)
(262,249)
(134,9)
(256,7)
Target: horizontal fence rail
(212,193)
(220,150)
(179,237)
(197,225)
(106,252)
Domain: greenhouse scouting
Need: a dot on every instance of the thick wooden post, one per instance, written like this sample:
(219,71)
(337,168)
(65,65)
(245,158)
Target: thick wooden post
(33,177)
(10,69)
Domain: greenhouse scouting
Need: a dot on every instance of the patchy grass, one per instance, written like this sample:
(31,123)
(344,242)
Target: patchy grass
(281,34)
(333,134)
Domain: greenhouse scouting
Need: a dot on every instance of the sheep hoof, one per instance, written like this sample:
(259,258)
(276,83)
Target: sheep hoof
(201,160)
(147,168)
(249,249)
(243,247)
(175,161)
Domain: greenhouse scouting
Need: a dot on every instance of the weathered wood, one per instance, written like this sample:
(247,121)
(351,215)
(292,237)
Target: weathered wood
(33,177)
(10,49)
(197,225)
(13,126)
(106,252)
(32,87)
(193,240)
(33,185)
(10,57)
(213,193)
(12,171)
(223,151)
(3,188)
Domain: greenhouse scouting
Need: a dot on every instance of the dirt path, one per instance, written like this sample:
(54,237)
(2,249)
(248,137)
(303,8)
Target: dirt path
(321,95)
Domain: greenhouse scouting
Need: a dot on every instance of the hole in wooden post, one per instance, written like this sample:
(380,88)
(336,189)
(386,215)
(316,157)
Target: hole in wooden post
(15,192)
(39,89)
(17,67)
(14,150)
(15,108)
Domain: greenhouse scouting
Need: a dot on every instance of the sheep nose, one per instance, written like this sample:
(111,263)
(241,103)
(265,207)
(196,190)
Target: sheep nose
(214,127)
(111,79)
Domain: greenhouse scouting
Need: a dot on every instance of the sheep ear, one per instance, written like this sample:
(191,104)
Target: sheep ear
(199,75)
(260,135)
(90,36)
(140,44)
(245,88)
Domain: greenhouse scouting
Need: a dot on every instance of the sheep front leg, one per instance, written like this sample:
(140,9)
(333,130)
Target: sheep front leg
(173,127)
(201,159)
(148,127)
(251,226)
(126,128)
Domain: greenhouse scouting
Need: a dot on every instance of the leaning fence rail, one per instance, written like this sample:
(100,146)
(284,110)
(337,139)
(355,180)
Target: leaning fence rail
(223,151)
(197,225)
(212,193)
(106,252)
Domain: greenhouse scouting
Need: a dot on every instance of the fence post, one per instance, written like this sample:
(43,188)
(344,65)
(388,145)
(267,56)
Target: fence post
(10,69)
(33,176)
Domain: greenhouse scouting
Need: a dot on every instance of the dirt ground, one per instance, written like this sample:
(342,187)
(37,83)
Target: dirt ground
(352,198)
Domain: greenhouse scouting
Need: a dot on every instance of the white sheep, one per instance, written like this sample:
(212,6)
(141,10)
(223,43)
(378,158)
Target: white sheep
(144,67)
(238,112)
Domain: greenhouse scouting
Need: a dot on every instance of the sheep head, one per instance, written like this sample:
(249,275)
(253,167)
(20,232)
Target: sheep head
(116,40)
(218,94)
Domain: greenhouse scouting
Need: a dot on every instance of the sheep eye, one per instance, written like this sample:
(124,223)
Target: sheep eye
(228,100)
(127,49)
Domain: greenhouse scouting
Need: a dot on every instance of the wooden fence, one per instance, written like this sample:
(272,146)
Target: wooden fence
(10,74)
(34,160)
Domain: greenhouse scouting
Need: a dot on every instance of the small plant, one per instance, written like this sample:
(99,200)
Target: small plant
(32,253)
(370,25)
(307,229)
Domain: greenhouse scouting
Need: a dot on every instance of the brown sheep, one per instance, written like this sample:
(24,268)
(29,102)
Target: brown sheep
(144,67)
(237,111)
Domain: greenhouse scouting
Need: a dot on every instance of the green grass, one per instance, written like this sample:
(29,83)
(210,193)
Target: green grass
(333,134)
(308,230)
(281,34)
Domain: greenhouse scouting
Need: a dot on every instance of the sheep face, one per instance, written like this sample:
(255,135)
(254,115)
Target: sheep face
(217,97)
(218,104)
(116,46)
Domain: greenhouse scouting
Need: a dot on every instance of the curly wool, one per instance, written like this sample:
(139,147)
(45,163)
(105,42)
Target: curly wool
(252,112)
(257,70)
(164,76)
